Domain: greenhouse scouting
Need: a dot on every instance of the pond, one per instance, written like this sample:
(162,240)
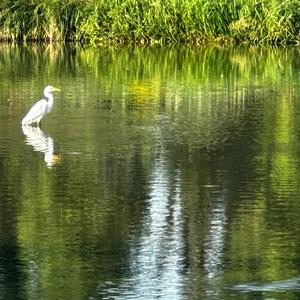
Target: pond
(161,173)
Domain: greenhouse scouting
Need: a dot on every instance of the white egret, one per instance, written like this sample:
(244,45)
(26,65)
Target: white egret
(41,108)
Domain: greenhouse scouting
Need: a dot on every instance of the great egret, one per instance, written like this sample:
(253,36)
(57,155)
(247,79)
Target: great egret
(41,108)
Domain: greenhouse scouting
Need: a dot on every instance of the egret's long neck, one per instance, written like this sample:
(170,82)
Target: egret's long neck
(50,98)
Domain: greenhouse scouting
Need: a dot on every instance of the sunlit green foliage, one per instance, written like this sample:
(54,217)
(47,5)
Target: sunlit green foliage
(151,21)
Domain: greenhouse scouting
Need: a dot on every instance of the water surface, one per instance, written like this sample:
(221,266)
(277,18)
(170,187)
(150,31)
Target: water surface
(161,173)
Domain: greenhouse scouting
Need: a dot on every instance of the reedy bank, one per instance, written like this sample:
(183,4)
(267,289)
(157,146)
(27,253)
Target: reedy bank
(151,21)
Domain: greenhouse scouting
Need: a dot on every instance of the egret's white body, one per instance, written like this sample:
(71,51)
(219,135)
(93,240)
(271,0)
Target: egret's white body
(41,108)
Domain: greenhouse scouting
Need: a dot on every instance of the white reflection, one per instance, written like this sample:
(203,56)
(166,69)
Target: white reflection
(214,246)
(157,253)
(214,243)
(158,261)
(41,142)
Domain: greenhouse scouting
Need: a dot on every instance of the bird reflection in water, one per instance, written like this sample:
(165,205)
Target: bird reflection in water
(41,142)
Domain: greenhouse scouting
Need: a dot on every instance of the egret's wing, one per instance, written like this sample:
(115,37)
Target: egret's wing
(36,112)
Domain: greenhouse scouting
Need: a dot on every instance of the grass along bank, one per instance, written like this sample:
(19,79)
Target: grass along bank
(151,21)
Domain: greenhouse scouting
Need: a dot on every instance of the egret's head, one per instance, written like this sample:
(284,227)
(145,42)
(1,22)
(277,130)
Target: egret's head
(49,89)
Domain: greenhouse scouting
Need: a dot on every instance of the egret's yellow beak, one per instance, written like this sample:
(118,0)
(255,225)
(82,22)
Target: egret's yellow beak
(56,89)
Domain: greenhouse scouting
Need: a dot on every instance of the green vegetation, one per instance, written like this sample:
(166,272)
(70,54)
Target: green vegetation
(151,21)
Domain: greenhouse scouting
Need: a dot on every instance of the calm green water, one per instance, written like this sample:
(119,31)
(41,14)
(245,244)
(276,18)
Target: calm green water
(160,174)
